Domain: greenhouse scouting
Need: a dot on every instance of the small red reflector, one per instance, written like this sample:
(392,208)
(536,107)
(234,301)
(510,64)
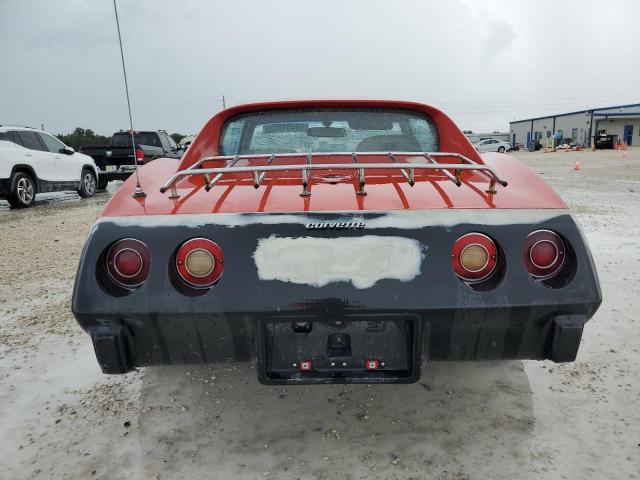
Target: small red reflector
(128,261)
(544,253)
(371,364)
(306,366)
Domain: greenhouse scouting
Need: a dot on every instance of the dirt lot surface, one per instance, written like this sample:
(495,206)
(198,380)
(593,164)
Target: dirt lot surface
(61,418)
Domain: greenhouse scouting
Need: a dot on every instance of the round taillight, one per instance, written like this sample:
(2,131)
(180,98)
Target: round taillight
(128,262)
(544,253)
(199,262)
(474,257)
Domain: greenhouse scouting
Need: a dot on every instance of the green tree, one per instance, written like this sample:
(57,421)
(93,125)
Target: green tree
(177,137)
(83,136)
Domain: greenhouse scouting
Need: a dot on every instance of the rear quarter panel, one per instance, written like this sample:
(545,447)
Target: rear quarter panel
(79,161)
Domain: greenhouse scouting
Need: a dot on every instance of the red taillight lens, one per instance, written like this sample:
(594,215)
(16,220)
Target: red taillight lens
(139,155)
(474,257)
(128,262)
(544,253)
(199,262)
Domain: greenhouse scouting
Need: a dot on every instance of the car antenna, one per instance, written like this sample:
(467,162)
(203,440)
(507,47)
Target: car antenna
(139,193)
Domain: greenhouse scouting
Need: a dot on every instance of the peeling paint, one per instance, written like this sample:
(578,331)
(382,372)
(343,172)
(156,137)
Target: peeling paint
(406,220)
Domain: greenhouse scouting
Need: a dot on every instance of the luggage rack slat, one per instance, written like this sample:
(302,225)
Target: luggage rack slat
(408,175)
(406,169)
(258,177)
(305,178)
(213,181)
(446,173)
(361,179)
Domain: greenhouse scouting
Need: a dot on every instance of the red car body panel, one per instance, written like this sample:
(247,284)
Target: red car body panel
(332,190)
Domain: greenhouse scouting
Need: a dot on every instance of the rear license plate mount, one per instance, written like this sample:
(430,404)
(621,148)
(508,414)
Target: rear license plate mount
(351,349)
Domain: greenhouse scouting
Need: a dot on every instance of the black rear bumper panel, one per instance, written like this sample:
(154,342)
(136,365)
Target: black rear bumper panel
(122,344)
(519,318)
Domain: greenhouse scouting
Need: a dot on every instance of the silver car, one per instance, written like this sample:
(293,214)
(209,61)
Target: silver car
(492,145)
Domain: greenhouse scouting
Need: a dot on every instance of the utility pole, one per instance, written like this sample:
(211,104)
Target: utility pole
(224,105)
(42,127)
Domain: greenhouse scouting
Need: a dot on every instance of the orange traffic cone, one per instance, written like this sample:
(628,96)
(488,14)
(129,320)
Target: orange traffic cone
(577,166)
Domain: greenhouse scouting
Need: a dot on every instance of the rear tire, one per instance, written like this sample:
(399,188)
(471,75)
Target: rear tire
(22,193)
(87,184)
(501,150)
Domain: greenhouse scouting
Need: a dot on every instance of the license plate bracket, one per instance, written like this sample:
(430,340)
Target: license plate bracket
(351,349)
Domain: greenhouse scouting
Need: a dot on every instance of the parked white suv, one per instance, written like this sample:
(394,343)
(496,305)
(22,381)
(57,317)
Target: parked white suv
(33,161)
(492,145)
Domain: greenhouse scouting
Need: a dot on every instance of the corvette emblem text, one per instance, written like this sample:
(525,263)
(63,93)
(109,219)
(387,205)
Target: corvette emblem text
(335,226)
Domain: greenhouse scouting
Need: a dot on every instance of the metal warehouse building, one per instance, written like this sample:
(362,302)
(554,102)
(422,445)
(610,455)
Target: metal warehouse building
(580,127)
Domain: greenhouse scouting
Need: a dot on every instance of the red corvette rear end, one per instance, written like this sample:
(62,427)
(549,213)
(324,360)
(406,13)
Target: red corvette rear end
(333,242)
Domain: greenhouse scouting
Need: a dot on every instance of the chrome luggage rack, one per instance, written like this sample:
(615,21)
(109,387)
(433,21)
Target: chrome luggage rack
(406,169)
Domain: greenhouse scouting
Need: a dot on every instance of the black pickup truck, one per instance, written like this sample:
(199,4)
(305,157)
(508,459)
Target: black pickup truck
(115,161)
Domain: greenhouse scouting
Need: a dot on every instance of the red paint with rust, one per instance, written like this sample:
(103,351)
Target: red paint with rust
(332,190)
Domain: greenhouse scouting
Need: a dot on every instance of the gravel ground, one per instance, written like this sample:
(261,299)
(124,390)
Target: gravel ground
(61,418)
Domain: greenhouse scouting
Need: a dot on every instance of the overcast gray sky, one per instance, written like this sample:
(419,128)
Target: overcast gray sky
(484,63)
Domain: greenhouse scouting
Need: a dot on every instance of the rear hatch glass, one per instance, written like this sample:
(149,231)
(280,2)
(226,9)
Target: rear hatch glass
(329,130)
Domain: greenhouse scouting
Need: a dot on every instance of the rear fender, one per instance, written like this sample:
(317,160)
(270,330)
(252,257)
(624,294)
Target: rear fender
(28,170)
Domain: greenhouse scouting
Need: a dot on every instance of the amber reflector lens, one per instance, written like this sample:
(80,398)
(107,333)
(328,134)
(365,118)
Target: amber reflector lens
(199,262)
(474,257)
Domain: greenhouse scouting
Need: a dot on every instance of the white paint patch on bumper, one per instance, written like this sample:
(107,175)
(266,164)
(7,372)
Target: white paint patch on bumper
(320,261)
